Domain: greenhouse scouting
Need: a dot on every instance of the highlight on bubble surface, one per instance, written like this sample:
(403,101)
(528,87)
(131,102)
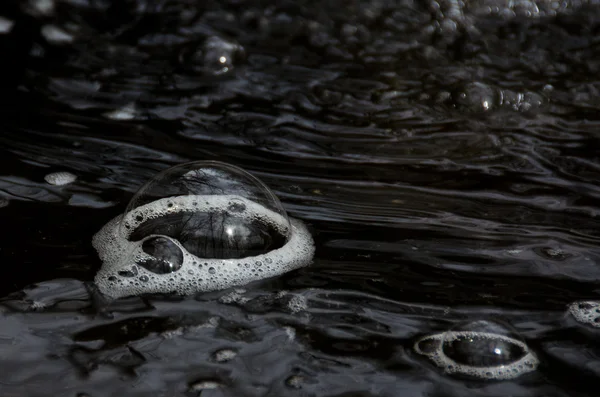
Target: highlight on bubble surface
(196,227)
(480,349)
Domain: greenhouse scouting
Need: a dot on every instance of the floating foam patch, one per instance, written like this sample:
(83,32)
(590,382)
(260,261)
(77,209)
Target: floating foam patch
(60,178)
(198,242)
(586,312)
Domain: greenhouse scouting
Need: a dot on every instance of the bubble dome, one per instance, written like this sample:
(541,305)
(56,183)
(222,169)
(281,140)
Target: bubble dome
(199,226)
(480,349)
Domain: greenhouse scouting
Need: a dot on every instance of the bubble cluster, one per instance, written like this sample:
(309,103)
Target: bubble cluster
(477,97)
(481,349)
(199,226)
(586,312)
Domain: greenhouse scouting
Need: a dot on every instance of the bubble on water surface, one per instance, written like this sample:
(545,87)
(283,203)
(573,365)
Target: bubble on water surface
(476,97)
(215,56)
(481,349)
(60,178)
(586,312)
(199,226)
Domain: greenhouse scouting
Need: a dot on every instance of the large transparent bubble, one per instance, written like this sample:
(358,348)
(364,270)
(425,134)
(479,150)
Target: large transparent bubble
(481,349)
(197,227)
(209,211)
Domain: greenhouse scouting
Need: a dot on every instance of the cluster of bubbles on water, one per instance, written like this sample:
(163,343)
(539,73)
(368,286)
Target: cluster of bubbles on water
(475,97)
(199,226)
(586,312)
(480,349)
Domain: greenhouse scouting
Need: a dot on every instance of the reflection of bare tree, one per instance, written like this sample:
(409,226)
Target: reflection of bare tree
(211,181)
(204,181)
(167,256)
(216,234)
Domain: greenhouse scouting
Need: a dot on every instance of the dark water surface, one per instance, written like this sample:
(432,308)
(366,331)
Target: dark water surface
(446,157)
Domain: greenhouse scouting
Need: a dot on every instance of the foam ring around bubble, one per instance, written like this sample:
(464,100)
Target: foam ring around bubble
(119,254)
(523,365)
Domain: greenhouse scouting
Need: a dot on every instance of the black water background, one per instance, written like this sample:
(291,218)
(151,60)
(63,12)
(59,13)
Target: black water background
(425,212)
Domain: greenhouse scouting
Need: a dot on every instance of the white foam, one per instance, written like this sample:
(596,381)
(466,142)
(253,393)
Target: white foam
(525,364)
(224,355)
(196,274)
(60,178)
(205,385)
(586,312)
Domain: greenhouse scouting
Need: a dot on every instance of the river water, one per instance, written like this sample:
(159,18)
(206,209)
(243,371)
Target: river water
(444,155)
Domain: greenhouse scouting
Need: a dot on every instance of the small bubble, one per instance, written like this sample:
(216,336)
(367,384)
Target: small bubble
(128,273)
(212,270)
(474,350)
(236,207)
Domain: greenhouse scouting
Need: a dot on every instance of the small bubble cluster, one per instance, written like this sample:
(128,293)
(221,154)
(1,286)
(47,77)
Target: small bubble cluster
(586,312)
(199,227)
(480,349)
(60,178)
(475,97)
